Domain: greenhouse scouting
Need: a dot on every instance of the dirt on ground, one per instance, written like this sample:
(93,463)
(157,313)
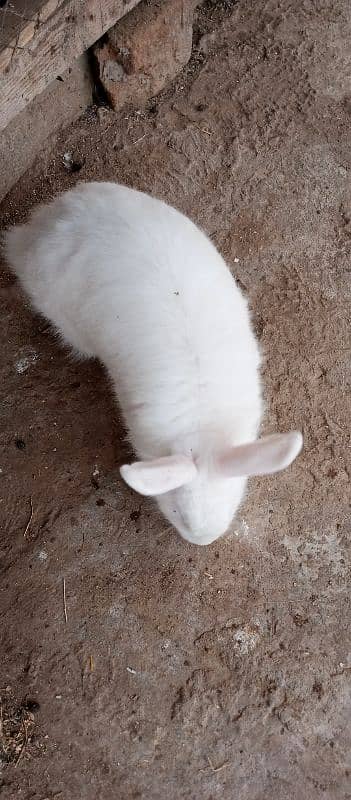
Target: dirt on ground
(134,665)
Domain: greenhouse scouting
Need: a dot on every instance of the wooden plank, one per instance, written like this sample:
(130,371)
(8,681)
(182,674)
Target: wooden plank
(26,135)
(61,31)
(14,17)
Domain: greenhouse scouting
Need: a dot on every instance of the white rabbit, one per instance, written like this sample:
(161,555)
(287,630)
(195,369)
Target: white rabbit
(128,279)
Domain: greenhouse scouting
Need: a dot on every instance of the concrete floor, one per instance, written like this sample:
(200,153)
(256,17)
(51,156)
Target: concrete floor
(221,672)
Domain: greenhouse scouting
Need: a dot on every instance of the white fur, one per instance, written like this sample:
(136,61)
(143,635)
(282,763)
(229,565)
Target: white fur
(128,279)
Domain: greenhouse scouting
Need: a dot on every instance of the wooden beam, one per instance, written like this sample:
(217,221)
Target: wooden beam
(14,17)
(48,43)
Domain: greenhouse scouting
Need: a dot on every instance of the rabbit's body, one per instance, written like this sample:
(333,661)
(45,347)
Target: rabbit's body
(128,279)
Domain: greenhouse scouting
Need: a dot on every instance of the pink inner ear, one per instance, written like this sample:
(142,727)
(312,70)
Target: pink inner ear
(265,456)
(159,476)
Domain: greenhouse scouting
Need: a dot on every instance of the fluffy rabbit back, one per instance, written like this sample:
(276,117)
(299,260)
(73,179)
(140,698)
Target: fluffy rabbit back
(128,279)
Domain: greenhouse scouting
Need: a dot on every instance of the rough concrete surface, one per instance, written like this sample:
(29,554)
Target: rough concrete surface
(184,672)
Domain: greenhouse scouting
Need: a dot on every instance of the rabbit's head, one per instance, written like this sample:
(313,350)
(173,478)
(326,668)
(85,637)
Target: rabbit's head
(200,496)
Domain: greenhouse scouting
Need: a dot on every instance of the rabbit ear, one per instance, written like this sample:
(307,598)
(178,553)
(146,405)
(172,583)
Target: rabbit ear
(159,476)
(267,455)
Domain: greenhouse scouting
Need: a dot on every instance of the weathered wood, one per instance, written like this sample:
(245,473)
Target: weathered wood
(14,17)
(46,45)
(29,133)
